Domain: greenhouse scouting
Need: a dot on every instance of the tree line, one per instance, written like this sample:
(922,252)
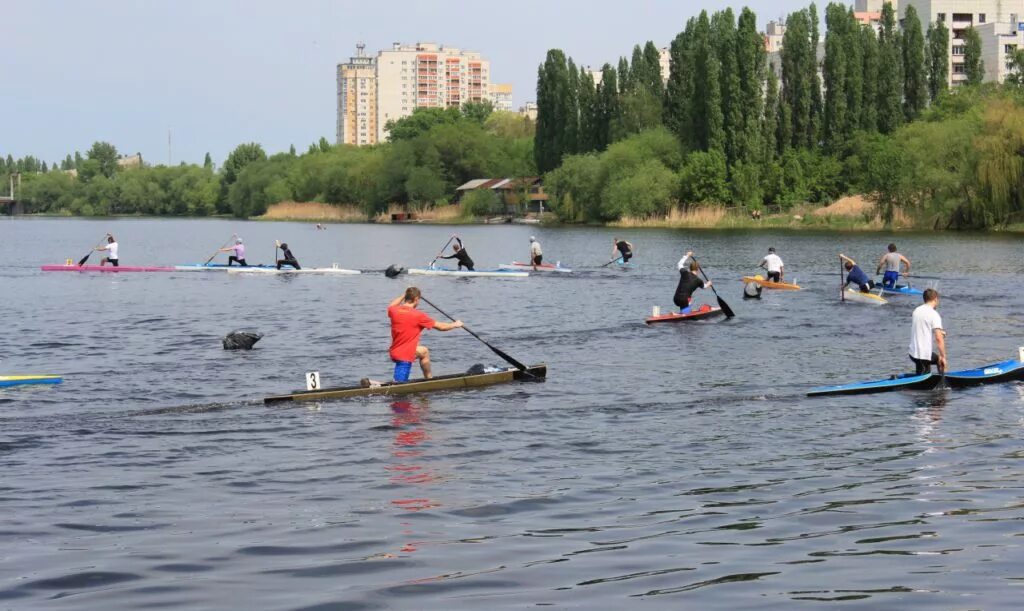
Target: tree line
(747,132)
(431,152)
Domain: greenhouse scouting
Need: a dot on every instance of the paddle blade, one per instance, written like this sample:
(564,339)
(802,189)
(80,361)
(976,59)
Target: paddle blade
(725,307)
(82,261)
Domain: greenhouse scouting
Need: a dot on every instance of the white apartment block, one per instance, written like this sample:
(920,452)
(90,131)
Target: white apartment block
(500,95)
(357,100)
(872,6)
(427,75)
(998,22)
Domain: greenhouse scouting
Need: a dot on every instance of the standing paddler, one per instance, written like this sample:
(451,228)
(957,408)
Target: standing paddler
(773,266)
(460,254)
(689,282)
(536,254)
(891,262)
(927,337)
(239,256)
(407,323)
(623,249)
(111,250)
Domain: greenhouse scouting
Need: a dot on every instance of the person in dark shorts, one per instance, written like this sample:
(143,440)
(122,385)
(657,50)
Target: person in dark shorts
(623,248)
(460,254)
(536,254)
(927,337)
(689,282)
(111,250)
(239,253)
(289,258)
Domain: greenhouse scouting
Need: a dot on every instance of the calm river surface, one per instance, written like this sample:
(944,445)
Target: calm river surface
(673,467)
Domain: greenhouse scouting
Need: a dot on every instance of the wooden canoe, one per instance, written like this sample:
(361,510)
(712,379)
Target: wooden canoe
(450,382)
(768,284)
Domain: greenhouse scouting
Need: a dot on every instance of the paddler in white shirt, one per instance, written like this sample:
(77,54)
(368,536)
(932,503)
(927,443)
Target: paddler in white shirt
(536,254)
(773,266)
(111,250)
(927,337)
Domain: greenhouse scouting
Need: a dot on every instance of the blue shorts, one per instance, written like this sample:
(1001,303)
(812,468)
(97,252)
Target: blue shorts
(685,310)
(889,279)
(402,370)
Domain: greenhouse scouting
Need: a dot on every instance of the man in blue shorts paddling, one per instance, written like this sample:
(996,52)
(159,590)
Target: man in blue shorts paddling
(407,323)
(891,262)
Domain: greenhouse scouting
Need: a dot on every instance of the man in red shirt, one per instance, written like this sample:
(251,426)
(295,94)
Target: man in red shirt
(406,325)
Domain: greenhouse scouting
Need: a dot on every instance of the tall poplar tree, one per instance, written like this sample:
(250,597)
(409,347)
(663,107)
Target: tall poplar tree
(869,79)
(798,65)
(890,73)
(587,98)
(653,79)
(608,106)
(572,111)
(707,119)
(723,35)
(938,59)
(817,105)
(835,74)
(625,76)
(770,124)
(974,66)
(915,80)
(552,99)
(751,69)
(678,103)
(854,86)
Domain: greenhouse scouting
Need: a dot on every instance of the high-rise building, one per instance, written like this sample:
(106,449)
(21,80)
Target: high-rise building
(872,6)
(501,96)
(998,23)
(357,100)
(427,75)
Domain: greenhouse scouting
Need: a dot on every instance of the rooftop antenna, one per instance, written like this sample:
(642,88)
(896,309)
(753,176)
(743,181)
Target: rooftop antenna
(360,49)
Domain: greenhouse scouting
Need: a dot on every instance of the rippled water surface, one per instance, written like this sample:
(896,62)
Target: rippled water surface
(672,467)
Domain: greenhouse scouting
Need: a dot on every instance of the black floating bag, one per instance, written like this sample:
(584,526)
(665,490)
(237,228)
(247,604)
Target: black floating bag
(393,271)
(752,290)
(241,340)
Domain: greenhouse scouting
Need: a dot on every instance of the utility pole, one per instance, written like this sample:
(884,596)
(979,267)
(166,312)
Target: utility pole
(168,148)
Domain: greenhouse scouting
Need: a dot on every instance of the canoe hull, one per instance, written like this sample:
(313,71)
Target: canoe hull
(702,314)
(214,267)
(901,382)
(768,284)
(855,296)
(902,290)
(337,271)
(37,379)
(543,267)
(450,382)
(996,373)
(484,273)
(110,269)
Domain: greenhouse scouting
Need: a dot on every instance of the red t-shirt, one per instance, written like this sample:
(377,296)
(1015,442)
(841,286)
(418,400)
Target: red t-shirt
(406,325)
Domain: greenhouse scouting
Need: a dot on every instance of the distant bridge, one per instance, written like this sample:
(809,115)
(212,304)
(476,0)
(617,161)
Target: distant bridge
(8,204)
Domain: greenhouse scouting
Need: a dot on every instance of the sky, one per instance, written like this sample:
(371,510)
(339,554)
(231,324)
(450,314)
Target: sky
(217,73)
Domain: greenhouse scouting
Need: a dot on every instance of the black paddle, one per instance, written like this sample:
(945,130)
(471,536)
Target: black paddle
(721,302)
(438,255)
(612,261)
(233,236)
(507,358)
(86,257)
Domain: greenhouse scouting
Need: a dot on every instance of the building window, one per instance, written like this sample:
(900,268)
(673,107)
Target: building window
(958,49)
(941,17)
(958,69)
(1009,49)
(981,17)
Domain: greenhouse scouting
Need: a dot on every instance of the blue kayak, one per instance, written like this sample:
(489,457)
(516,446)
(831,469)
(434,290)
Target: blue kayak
(905,381)
(995,373)
(37,379)
(902,290)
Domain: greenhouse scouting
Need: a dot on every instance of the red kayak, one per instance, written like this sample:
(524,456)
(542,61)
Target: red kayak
(105,268)
(704,311)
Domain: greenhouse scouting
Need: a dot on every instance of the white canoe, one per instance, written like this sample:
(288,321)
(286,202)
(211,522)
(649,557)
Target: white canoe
(859,297)
(543,267)
(492,273)
(287,270)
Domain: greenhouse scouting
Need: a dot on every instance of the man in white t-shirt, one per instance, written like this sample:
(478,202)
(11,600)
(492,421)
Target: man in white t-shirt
(772,263)
(111,250)
(927,337)
(536,254)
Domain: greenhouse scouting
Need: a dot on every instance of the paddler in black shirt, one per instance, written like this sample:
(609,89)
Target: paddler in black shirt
(624,248)
(289,258)
(688,283)
(460,254)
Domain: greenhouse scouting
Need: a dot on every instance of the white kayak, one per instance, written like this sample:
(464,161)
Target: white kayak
(288,270)
(215,267)
(492,273)
(528,267)
(868,298)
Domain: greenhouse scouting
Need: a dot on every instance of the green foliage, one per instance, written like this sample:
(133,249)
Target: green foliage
(890,73)
(420,122)
(644,191)
(481,202)
(915,78)
(974,65)
(101,161)
(243,155)
(704,178)
(478,111)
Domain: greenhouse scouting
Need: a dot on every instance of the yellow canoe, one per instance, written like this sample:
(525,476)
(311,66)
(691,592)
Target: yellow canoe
(768,284)
(868,298)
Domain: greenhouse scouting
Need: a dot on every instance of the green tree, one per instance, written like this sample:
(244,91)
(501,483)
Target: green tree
(608,107)
(974,65)
(653,79)
(425,185)
(588,113)
(238,159)
(915,78)
(208,162)
(101,161)
(572,111)
(798,66)
(291,151)
(678,103)
(480,202)
(890,73)
(707,119)
(854,83)
(752,71)
(625,76)
(938,59)
(420,121)
(552,108)
(478,111)
(869,79)
(770,123)
(723,34)
(1015,78)
(704,178)
(836,77)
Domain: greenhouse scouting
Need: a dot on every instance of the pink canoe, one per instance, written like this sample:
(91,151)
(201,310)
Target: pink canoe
(105,268)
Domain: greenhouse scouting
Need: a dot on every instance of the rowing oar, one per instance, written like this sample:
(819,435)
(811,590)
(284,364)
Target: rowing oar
(86,257)
(507,358)
(233,236)
(721,302)
(438,255)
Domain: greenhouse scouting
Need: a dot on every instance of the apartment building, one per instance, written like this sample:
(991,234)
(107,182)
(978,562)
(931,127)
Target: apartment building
(427,75)
(872,6)
(357,100)
(998,23)
(501,96)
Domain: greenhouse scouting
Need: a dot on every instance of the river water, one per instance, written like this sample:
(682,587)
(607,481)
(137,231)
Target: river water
(661,467)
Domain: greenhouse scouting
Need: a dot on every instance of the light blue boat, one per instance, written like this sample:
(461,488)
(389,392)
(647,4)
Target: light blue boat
(37,379)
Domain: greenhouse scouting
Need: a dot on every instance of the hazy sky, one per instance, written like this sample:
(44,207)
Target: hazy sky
(217,73)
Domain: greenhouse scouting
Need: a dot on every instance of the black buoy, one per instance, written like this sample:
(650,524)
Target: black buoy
(241,340)
(393,271)
(752,290)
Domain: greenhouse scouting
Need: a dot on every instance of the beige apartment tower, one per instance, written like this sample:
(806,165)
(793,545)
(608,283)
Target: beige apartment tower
(427,75)
(357,100)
